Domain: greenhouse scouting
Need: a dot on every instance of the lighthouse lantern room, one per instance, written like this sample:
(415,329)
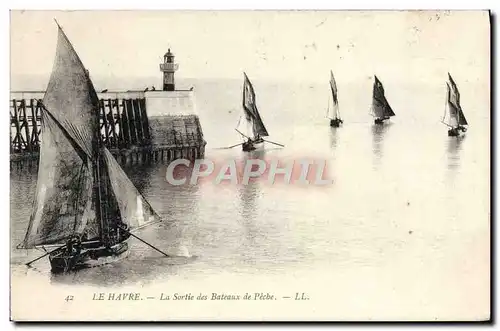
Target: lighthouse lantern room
(168,67)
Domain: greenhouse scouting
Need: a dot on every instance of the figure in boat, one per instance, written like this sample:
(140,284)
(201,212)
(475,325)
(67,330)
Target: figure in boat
(252,144)
(334,113)
(454,116)
(250,124)
(85,205)
(380,108)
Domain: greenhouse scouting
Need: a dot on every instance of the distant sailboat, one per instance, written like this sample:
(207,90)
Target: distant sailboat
(334,112)
(84,202)
(250,124)
(453,116)
(380,108)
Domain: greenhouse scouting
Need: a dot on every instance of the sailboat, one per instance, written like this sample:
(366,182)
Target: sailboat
(380,108)
(250,124)
(454,116)
(334,113)
(84,204)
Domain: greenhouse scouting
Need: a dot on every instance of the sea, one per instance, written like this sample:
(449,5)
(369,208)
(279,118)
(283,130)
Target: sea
(401,233)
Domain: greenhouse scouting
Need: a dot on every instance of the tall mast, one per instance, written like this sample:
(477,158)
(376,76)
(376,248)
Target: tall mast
(97,193)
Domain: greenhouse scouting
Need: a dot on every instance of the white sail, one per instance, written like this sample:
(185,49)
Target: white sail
(135,211)
(244,126)
(333,110)
(450,116)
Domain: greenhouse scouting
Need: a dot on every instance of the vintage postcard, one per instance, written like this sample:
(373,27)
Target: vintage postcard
(250,165)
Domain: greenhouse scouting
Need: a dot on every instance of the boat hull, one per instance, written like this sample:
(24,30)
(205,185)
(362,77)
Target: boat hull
(458,131)
(253,145)
(336,122)
(381,120)
(89,256)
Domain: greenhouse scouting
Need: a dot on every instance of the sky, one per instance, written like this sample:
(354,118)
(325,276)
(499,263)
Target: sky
(418,46)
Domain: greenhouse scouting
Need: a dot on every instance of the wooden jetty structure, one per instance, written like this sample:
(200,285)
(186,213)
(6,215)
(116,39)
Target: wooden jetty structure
(136,126)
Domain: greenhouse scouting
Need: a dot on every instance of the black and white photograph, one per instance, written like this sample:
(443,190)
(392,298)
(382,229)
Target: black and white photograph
(250,165)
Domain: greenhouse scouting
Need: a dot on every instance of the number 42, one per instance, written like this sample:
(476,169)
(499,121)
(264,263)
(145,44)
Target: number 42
(69,298)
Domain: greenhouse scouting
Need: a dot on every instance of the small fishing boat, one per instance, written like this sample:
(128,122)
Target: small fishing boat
(85,205)
(250,124)
(380,108)
(334,112)
(453,116)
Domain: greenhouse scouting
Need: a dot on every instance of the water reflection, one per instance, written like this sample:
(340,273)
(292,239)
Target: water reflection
(25,167)
(249,209)
(454,146)
(333,138)
(249,193)
(177,204)
(22,188)
(378,134)
(168,199)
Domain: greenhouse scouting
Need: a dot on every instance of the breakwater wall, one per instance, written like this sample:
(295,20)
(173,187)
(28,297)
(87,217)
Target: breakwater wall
(136,126)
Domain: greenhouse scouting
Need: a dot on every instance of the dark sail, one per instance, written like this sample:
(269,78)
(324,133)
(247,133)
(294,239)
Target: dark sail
(380,105)
(250,109)
(81,189)
(335,112)
(333,86)
(454,102)
(63,204)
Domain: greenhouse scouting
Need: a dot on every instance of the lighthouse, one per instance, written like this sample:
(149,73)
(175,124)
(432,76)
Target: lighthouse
(173,123)
(144,124)
(168,67)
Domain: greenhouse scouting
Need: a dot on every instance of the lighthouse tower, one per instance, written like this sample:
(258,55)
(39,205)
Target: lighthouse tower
(168,67)
(173,123)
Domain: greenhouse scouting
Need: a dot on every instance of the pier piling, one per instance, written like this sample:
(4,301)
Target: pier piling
(127,130)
